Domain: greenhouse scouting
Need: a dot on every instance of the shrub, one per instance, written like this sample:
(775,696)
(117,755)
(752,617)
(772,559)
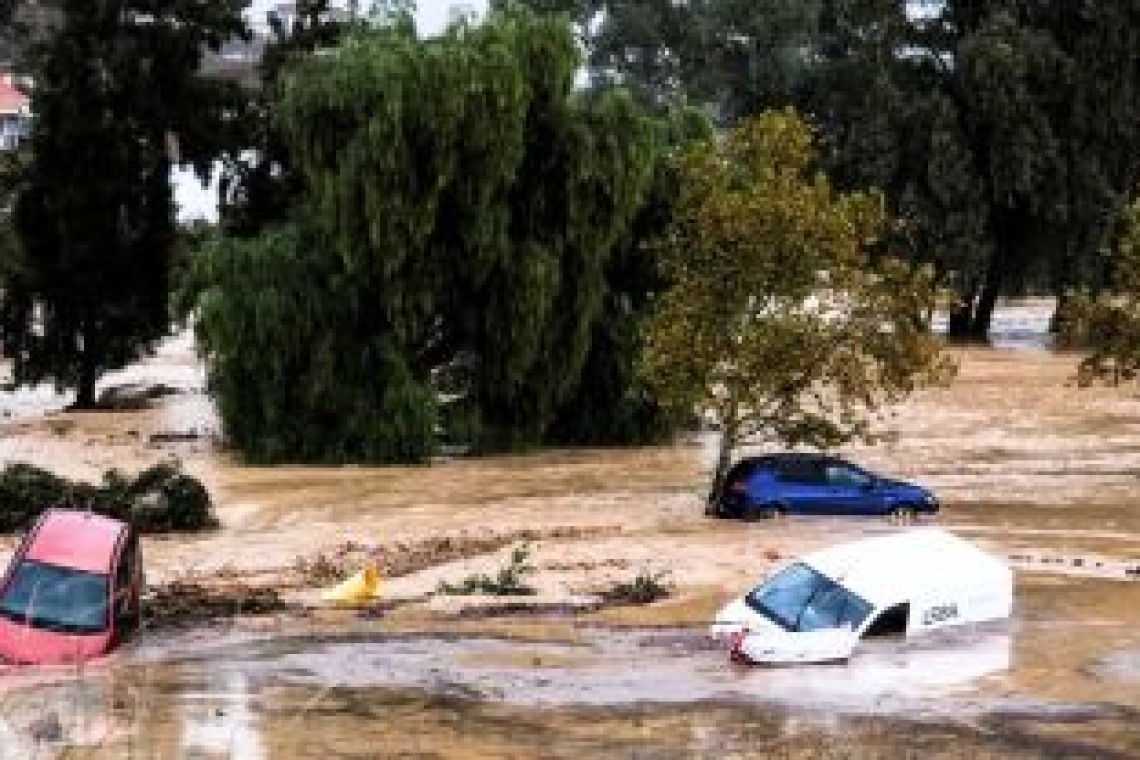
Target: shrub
(646,588)
(24,491)
(159,499)
(508,581)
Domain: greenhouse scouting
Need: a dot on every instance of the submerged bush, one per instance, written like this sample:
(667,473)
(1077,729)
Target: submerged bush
(646,588)
(507,582)
(160,499)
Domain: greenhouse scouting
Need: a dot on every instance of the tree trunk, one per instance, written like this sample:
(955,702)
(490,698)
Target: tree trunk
(723,463)
(961,316)
(1058,313)
(987,302)
(958,325)
(85,385)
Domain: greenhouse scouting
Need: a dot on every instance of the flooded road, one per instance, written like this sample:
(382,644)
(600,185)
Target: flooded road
(1029,466)
(376,690)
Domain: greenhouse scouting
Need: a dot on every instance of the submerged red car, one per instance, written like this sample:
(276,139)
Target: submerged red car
(72,591)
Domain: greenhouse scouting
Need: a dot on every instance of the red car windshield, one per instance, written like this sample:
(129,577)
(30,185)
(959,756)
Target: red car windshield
(59,599)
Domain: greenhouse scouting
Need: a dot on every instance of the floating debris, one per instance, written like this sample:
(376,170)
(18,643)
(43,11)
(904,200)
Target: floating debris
(183,603)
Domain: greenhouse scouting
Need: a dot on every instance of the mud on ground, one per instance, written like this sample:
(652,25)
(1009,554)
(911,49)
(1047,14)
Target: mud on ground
(1023,461)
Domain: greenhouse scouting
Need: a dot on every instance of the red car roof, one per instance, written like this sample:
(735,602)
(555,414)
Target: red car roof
(75,539)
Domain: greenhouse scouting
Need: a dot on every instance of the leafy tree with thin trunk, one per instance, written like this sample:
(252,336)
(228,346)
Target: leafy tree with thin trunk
(776,325)
(1107,325)
(117,100)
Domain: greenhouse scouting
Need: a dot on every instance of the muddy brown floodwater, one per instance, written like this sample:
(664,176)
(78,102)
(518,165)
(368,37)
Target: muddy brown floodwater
(1030,466)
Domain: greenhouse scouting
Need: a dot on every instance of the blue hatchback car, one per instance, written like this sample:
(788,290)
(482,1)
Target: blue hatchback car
(815,484)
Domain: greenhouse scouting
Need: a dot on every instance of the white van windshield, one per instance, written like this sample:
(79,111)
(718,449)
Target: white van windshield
(799,598)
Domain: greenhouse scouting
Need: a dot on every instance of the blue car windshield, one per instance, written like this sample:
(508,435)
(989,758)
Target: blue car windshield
(799,598)
(55,598)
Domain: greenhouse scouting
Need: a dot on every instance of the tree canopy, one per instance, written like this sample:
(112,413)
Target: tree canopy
(259,185)
(776,325)
(1107,325)
(455,239)
(1004,134)
(117,101)
(731,58)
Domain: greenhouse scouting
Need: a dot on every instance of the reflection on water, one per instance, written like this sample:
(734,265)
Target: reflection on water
(74,710)
(220,721)
(210,706)
(629,668)
(1018,325)
(618,693)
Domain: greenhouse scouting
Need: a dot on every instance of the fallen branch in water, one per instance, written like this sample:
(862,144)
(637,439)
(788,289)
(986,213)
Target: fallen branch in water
(184,603)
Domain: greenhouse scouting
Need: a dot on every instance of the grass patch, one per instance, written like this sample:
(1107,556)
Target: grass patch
(645,588)
(507,582)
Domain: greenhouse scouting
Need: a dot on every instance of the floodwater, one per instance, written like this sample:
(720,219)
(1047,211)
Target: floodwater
(377,691)
(1030,466)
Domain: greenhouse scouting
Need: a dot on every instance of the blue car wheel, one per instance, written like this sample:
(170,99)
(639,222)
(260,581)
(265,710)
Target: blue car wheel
(903,513)
(764,512)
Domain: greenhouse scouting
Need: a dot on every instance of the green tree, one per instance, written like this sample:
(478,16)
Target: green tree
(461,204)
(1107,325)
(23,25)
(1005,133)
(611,404)
(731,58)
(776,326)
(13,164)
(300,367)
(259,185)
(117,101)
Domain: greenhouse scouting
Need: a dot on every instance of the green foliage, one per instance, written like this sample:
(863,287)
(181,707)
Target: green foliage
(13,165)
(776,324)
(645,588)
(611,404)
(1107,326)
(1005,134)
(507,582)
(466,228)
(161,499)
(299,368)
(116,96)
(731,58)
(259,184)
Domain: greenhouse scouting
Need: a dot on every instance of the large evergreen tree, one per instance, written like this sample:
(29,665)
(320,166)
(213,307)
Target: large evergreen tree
(732,58)
(259,184)
(117,101)
(1006,133)
(460,206)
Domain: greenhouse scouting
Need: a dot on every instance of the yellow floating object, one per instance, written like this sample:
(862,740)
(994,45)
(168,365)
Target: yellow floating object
(362,587)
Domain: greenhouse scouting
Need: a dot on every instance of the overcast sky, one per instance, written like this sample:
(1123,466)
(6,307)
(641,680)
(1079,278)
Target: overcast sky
(431,15)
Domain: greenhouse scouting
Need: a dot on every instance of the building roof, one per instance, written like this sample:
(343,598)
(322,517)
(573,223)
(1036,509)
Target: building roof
(81,540)
(914,564)
(12,101)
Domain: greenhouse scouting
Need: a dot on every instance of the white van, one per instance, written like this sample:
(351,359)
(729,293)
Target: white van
(816,608)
